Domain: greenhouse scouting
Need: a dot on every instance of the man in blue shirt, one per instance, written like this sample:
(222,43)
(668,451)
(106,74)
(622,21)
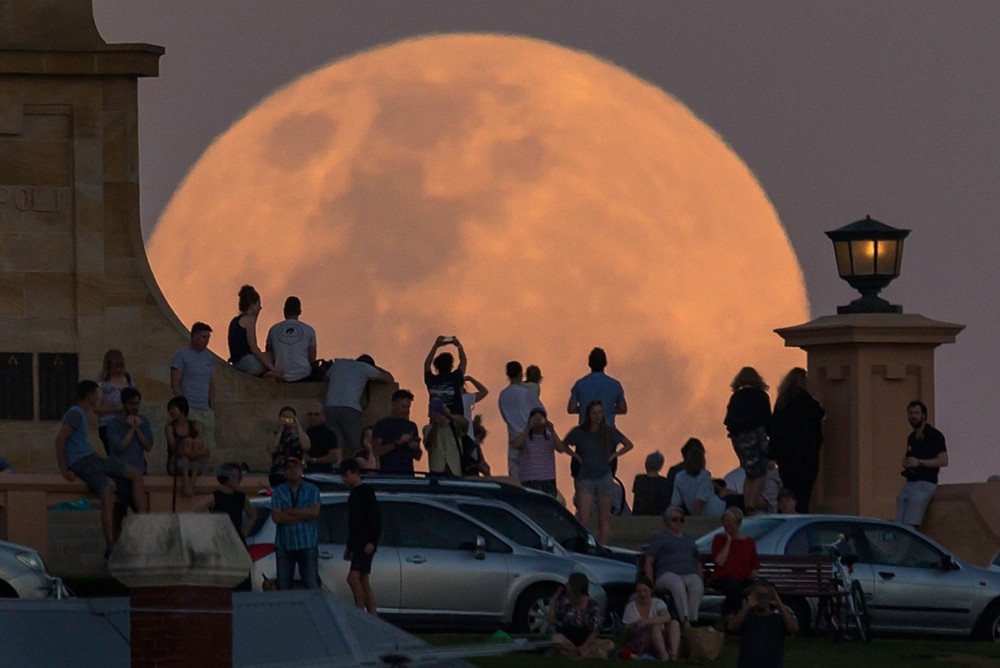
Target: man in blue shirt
(77,459)
(130,437)
(598,386)
(294,509)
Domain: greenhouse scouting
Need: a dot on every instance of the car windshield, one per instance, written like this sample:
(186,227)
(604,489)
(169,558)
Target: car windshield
(754,527)
(505,522)
(554,519)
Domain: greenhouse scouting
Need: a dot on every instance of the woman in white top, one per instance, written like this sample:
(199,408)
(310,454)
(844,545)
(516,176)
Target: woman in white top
(693,488)
(648,626)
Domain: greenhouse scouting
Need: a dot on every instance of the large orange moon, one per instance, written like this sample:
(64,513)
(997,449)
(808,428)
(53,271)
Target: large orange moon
(534,200)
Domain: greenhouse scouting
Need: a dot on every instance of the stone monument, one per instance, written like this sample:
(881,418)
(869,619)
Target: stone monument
(74,278)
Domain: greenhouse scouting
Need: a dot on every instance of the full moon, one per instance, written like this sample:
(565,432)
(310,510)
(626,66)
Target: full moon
(533,200)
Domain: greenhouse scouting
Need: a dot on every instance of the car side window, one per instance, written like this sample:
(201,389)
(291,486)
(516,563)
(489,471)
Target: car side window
(504,522)
(893,546)
(434,528)
(332,523)
(814,537)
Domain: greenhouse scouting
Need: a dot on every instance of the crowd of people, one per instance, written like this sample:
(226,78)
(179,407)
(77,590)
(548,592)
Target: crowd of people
(778,454)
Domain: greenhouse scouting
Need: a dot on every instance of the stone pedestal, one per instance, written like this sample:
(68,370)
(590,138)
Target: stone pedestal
(865,368)
(181,569)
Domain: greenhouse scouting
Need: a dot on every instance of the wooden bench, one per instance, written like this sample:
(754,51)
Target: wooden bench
(808,575)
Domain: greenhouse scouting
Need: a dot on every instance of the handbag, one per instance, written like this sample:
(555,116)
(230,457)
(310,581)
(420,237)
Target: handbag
(702,642)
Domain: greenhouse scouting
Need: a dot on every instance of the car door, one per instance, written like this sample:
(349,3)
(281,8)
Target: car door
(333,569)
(815,538)
(915,589)
(440,574)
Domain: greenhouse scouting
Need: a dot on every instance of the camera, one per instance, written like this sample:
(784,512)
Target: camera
(288,421)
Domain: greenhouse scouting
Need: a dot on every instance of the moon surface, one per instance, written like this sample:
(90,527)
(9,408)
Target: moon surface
(534,200)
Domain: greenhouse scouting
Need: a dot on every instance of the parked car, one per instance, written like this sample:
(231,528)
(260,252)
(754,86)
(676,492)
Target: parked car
(434,566)
(995,564)
(911,584)
(23,574)
(547,512)
(616,577)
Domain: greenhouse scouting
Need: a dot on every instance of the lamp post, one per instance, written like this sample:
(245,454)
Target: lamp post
(869,255)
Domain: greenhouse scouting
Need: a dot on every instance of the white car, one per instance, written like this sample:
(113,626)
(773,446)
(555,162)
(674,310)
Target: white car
(23,574)
(435,566)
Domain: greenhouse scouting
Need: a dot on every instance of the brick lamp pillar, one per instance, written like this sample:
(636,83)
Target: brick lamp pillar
(180,569)
(864,368)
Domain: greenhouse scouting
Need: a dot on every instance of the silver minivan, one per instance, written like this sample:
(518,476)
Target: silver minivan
(435,566)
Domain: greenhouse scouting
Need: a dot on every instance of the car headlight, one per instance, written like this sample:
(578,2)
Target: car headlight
(31,560)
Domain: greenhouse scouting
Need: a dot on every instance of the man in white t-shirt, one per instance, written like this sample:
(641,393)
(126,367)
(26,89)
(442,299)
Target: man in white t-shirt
(347,382)
(516,402)
(292,343)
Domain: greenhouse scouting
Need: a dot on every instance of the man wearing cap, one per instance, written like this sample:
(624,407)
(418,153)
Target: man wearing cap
(292,343)
(443,439)
(347,382)
(395,439)
(294,509)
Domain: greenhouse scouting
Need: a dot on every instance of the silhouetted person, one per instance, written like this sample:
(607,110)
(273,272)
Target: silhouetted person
(364,528)
(763,622)
(748,421)
(244,352)
(347,383)
(651,491)
(516,403)
(191,377)
(598,386)
(292,343)
(443,379)
(796,436)
(395,439)
(77,459)
(926,455)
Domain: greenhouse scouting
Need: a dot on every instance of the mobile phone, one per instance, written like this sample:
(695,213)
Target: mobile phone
(448,339)
(288,421)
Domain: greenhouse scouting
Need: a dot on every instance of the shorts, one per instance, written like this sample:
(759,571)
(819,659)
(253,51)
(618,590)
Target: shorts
(249,364)
(912,502)
(95,470)
(603,486)
(751,448)
(206,416)
(348,425)
(361,562)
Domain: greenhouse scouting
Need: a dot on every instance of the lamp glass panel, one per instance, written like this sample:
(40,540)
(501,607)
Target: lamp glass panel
(863,254)
(888,249)
(843,252)
(899,256)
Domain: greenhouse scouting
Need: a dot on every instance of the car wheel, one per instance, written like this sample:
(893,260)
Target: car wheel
(6,591)
(532,609)
(989,623)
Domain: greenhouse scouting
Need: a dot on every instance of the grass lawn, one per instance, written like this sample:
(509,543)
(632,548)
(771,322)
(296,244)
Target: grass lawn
(799,653)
